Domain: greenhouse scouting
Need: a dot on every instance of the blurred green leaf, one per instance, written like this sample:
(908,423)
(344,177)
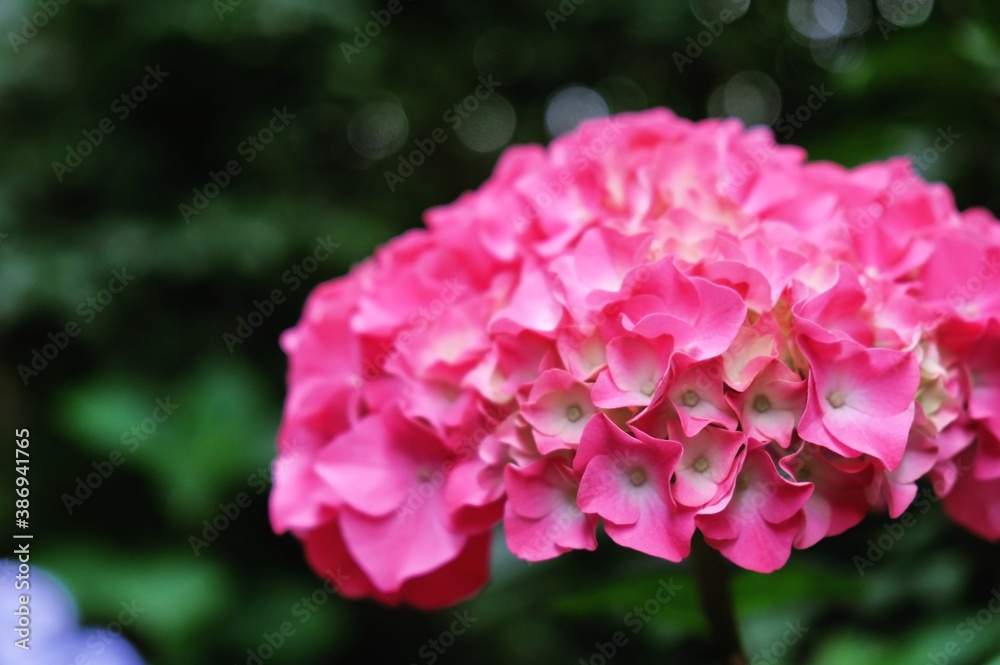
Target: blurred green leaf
(176,593)
(221,433)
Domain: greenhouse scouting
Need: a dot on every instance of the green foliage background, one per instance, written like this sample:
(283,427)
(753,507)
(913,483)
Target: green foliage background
(162,336)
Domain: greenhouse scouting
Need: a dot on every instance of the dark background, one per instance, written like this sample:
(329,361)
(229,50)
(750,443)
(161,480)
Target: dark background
(898,71)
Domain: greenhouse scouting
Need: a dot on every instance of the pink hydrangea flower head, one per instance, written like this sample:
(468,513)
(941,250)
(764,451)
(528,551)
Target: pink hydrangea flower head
(654,327)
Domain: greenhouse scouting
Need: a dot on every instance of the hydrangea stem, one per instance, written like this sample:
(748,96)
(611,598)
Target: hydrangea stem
(711,574)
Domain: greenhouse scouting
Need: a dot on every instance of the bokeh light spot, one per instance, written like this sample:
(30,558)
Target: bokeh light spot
(378,129)
(906,13)
(490,127)
(570,106)
(751,96)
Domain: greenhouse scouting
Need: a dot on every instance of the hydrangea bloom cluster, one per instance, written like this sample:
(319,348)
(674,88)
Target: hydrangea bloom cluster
(657,326)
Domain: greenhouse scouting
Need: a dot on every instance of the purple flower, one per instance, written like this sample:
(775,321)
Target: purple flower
(56,636)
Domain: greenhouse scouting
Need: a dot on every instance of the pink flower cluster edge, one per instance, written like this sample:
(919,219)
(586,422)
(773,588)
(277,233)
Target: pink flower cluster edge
(655,324)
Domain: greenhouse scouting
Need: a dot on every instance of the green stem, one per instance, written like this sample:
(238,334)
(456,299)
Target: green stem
(711,574)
